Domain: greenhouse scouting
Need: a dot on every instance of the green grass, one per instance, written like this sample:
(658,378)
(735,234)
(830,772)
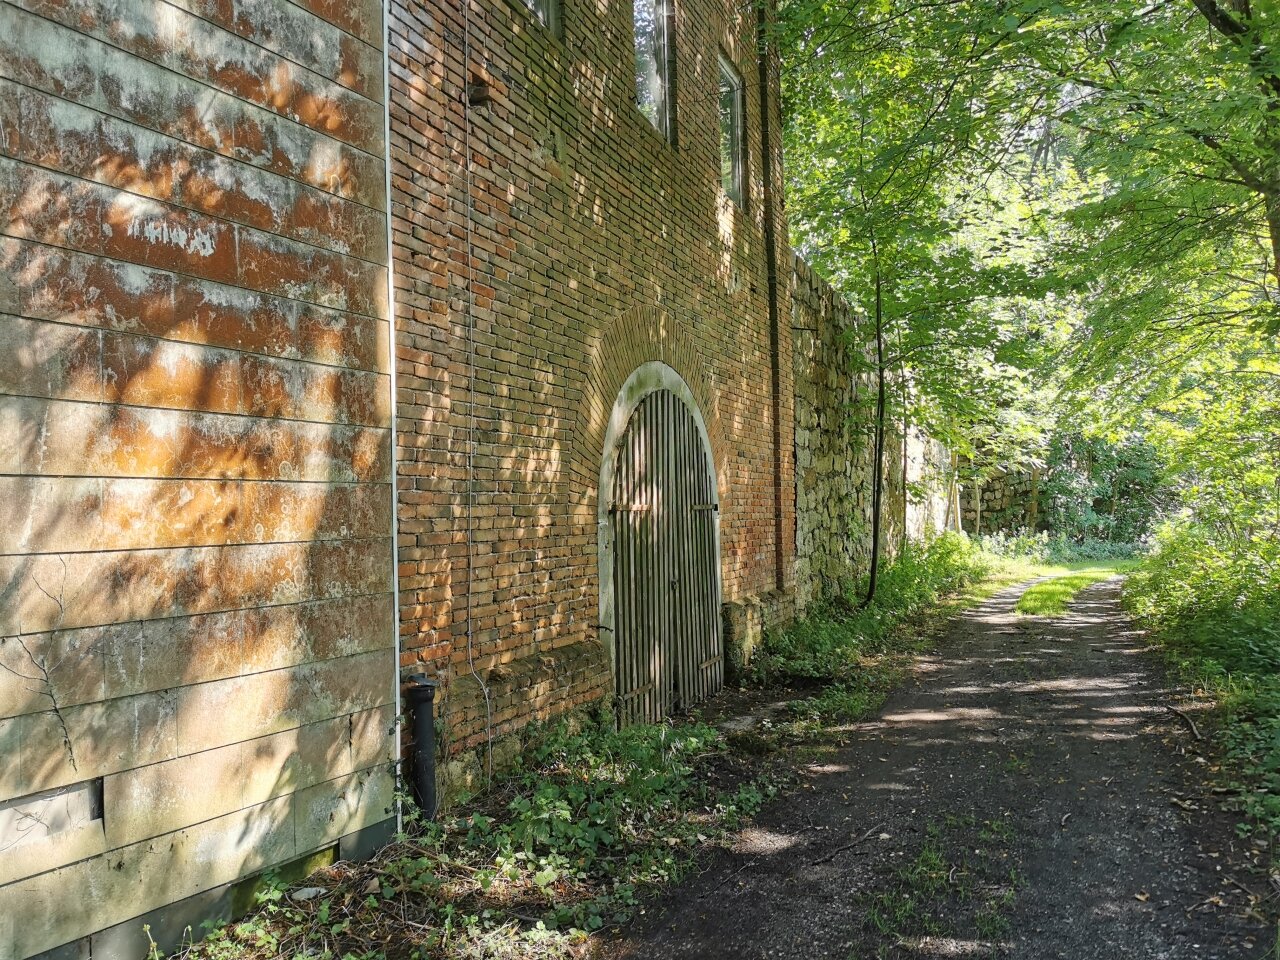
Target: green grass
(858,655)
(956,885)
(1050,597)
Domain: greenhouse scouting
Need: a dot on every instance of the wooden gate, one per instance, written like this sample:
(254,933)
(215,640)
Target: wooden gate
(666,569)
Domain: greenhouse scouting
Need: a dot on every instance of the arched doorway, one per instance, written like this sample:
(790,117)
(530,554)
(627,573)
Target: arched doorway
(660,549)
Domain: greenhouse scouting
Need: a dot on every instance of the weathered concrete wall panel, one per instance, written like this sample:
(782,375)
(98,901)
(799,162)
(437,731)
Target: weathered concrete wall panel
(196,627)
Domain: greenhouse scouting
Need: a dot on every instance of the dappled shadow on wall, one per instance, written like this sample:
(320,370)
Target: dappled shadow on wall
(193,555)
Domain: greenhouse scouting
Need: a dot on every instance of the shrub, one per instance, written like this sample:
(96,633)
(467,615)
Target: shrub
(1044,547)
(1213,601)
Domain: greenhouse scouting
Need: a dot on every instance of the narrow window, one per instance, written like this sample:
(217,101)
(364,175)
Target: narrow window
(547,12)
(732,140)
(652,67)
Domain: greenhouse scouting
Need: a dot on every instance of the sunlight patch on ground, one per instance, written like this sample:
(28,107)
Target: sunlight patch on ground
(828,768)
(758,840)
(942,716)
(949,947)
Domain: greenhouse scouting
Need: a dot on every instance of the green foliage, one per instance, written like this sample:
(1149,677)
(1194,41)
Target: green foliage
(564,847)
(1222,597)
(1098,489)
(1213,600)
(1054,549)
(882,111)
(833,644)
(1070,214)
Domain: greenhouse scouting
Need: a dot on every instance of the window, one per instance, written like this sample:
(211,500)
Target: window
(653,63)
(546,11)
(732,140)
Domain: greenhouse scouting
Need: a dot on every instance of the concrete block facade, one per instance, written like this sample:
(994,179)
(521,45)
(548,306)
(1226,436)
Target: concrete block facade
(197,669)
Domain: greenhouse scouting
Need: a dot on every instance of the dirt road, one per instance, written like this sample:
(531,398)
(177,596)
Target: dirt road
(1027,795)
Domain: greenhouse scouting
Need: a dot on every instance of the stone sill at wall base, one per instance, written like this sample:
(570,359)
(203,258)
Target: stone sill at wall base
(744,624)
(185,920)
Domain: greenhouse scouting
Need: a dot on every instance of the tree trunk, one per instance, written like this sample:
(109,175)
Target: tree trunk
(902,548)
(877,487)
(1034,507)
(977,507)
(1273,228)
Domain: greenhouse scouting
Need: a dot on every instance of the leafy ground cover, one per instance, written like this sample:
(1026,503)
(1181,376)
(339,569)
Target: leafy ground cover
(595,818)
(560,849)
(1213,603)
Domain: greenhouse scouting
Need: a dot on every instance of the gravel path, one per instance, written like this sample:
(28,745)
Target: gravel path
(1027,795)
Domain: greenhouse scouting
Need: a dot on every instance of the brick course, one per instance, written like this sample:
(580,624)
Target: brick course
(555,233)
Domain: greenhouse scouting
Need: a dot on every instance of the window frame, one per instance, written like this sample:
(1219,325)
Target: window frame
(728,70)
(664,58)
(544,12)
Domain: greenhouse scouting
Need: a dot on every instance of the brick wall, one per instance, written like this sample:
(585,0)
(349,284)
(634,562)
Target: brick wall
(547,242)
(194,450)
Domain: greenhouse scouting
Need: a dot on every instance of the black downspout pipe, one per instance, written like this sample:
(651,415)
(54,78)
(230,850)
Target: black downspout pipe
(764,23)
(421,695)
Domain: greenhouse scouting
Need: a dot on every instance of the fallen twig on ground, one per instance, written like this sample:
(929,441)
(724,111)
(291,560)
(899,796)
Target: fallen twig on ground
(1186,719)
(749,863)
(839,850)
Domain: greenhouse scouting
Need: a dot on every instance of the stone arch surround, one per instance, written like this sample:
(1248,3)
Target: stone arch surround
(650,377)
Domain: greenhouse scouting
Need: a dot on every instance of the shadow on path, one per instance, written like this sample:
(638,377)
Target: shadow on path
(1028,795)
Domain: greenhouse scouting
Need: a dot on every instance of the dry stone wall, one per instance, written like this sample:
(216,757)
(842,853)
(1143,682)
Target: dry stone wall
(834,437)
(1007,502)
(196,665)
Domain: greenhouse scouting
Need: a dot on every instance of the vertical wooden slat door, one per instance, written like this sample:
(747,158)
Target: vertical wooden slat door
(666,576)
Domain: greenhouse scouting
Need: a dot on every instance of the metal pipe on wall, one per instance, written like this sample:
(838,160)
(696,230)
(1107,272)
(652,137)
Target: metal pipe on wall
(421,695)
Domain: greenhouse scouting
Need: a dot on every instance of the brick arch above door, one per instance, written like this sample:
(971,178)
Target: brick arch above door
(640,335)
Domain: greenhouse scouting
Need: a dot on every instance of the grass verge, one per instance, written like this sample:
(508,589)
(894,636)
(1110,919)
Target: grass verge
(1050,597)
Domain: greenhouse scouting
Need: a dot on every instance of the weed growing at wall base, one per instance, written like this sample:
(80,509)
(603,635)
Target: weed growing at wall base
(562,848)
(854,652)
(595,818)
